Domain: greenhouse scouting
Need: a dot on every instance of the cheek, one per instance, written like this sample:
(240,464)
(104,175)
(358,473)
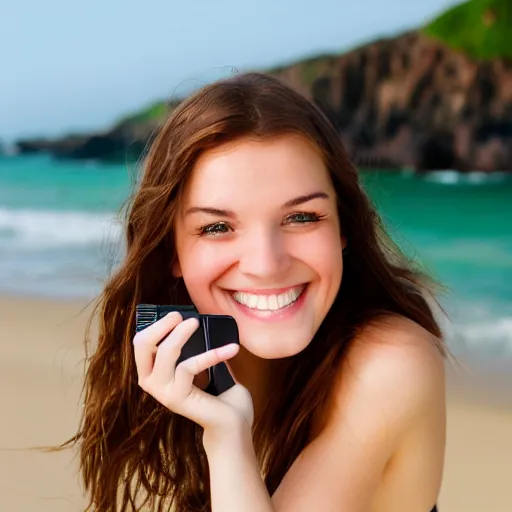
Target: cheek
(201,265)
(322,252)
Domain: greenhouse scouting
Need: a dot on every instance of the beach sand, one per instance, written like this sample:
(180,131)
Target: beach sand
(41,364)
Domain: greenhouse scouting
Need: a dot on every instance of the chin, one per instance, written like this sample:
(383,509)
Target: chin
(273,346)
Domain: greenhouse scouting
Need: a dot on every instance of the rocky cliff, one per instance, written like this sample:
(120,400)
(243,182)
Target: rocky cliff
(412,102)
(123,142)
(404,102)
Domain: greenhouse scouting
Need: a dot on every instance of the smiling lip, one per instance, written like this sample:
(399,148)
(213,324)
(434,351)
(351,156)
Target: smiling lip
(268,291)
(268,315)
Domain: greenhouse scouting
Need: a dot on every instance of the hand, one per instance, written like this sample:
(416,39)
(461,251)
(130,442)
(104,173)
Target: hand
(173,386)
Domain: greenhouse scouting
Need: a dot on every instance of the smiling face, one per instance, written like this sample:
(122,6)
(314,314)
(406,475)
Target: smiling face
(258,238)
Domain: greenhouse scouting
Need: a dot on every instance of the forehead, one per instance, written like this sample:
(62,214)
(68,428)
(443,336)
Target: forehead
(250,169)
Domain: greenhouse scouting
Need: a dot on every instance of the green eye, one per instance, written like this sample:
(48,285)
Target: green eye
(302,218)
(218,228)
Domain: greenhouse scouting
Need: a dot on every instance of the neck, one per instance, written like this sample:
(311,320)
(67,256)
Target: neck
(255,374)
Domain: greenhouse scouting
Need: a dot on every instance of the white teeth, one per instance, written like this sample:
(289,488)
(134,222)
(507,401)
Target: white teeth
(268,302)
(262,302)
(251,300)
(272,302)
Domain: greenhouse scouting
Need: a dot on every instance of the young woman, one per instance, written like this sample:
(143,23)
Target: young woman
(248,206)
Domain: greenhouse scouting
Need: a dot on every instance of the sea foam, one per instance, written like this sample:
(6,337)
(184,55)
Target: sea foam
(36,229)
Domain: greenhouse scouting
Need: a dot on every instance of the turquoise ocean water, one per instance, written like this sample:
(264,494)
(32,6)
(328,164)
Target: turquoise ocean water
(59,236)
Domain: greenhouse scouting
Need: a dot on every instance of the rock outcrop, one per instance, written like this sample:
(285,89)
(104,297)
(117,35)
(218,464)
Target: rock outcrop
(412,102)
(404,102)
(125,142)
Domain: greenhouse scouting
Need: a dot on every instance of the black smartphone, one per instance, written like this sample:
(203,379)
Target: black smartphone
(214,331)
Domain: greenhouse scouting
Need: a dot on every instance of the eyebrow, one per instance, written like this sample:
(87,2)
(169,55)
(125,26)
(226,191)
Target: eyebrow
(296,201)
(305,198)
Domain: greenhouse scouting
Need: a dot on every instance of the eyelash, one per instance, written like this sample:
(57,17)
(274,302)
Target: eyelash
(206,230)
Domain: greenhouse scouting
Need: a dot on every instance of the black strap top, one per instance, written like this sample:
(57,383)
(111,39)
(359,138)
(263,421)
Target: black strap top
(435,509)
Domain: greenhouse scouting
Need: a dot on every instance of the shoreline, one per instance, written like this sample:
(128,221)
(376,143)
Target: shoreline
(41,369)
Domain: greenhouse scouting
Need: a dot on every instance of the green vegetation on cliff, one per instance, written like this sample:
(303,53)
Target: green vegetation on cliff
(154,112)
(480,28)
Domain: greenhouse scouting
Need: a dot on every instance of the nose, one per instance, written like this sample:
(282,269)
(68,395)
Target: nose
(264,254)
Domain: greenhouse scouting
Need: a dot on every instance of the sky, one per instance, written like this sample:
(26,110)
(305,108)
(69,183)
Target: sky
(78,66)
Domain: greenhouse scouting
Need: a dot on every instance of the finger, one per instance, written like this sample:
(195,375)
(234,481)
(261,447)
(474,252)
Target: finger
(146,341)
(169,350)
(154,333)
(187,370)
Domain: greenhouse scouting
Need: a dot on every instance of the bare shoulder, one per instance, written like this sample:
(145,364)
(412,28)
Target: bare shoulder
(391,349)
(391,396)
(380,445)
(394,369)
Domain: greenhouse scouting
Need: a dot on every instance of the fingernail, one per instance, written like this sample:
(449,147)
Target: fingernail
(228,350)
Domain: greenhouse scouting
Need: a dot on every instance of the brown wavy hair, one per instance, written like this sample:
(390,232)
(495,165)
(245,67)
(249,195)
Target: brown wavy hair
(136,454)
